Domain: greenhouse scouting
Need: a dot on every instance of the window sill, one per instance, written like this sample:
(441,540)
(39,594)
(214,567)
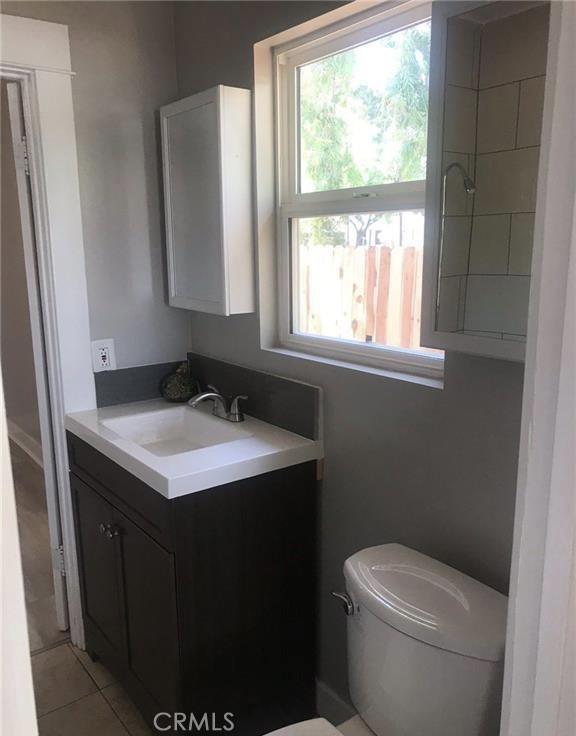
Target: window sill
(436,382)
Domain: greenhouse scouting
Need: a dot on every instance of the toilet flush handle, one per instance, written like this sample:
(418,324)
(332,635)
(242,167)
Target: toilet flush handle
(347,603)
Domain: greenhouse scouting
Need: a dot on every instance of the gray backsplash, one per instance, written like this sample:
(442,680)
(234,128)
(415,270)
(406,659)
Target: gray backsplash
(286,403)
(125,385)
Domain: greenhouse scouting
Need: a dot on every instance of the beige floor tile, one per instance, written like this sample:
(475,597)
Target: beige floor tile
(90,716)
(34,635)
(35,549)
(97,671)
(59,679)
(42,629)
(126,710)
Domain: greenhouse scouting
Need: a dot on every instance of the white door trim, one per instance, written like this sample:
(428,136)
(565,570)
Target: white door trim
(37,54)
(15,112)
(540,669)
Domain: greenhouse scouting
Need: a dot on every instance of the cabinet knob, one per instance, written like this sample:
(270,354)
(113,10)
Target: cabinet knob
(108,530)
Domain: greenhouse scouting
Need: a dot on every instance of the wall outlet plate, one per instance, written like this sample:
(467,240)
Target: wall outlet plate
(103,355)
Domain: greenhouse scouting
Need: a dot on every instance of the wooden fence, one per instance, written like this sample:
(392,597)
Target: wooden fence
(366,293)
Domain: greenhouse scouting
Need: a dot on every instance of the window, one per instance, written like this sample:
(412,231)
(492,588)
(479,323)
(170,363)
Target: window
(352,115)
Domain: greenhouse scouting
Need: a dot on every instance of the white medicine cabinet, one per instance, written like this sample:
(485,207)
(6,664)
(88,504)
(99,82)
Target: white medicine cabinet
(206,143)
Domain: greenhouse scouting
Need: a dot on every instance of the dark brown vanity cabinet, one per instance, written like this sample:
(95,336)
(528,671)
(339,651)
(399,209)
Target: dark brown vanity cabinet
(203,603)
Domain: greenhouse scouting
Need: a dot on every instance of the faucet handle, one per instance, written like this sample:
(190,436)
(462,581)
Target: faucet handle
(235,413)
(210,387)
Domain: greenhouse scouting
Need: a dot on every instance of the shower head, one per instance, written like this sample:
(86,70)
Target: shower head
(469,185)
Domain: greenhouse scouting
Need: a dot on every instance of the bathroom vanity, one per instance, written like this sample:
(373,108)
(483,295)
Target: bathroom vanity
(197,567)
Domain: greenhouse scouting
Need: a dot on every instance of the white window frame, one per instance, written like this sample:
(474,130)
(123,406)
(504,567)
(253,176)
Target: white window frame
(290,203)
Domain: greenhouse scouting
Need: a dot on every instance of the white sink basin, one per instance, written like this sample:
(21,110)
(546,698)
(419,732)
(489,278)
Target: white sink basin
(174,430)
(179,450)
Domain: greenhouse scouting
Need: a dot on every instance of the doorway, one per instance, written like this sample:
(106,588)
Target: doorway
(22,356)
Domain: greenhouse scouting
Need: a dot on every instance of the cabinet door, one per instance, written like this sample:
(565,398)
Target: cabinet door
(193,214)
(149,589)
(97,555)
(206,142)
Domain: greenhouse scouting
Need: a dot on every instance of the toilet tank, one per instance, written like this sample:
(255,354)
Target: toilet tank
(425,645)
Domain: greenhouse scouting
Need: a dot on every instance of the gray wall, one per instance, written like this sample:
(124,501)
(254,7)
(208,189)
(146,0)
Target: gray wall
(432,469)
(123,56)
(16,338)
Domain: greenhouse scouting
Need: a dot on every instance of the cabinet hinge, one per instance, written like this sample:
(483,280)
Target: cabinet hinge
(21,156)
(58,560)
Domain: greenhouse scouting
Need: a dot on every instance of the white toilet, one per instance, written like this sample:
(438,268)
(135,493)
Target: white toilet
(425,648)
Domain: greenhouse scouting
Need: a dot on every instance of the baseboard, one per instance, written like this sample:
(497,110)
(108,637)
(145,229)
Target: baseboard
(331,706)
(25,442)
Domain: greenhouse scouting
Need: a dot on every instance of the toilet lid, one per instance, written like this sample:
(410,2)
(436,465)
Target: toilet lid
(428,600)
(315,727)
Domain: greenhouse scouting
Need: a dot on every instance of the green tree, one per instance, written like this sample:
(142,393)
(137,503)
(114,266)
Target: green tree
(326,94)
(331,102)
(401,113)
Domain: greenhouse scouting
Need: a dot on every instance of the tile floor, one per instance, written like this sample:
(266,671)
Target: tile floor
(35,549)
(78,697)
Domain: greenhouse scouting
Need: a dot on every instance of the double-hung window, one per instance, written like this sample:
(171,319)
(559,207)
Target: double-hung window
(352,113)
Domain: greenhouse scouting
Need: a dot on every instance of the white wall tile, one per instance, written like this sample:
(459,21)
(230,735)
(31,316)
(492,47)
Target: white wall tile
(490,239)
(455,245)
(521,241)
(460,119)
(497,304)
(462,52)
(514,48)
(530,112)
(506,181)
(449,304)
(497,115)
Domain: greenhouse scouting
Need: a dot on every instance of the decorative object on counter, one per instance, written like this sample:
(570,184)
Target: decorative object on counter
(179,386)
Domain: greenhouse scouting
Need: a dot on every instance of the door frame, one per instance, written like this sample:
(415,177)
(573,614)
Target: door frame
(541,637)
(37,55)
(46,451)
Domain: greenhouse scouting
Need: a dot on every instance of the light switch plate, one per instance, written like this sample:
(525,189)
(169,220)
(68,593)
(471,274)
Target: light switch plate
(103,355)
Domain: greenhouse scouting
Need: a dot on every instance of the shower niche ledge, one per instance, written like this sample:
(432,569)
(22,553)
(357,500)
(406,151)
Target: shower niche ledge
(487,78)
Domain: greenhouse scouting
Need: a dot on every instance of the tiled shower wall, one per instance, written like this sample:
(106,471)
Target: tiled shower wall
(493,115)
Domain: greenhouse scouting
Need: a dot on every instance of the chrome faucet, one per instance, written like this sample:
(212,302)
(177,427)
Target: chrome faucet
(222,408)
